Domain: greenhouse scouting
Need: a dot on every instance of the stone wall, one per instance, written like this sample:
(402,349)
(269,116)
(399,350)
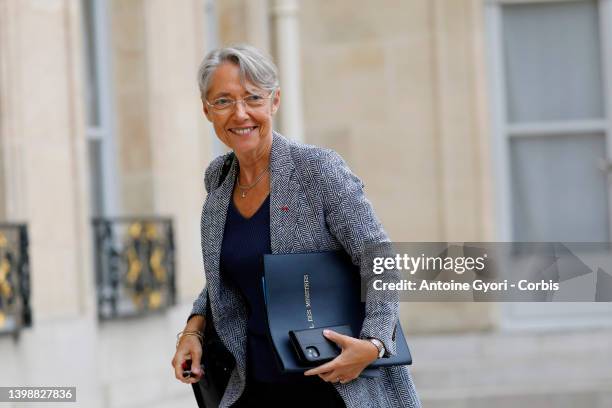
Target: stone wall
(44,150)
(163,140)
(132,96)
(396,90)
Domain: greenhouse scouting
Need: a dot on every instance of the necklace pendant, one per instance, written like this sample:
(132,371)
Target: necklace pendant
(243,195)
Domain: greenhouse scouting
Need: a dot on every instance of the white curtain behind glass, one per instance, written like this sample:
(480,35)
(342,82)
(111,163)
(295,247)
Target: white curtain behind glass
(552,61)
(553,73)
(559,193)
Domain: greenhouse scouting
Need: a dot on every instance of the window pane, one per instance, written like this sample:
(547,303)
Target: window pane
(558,191)
(95,177)
(92,80)
(552,61)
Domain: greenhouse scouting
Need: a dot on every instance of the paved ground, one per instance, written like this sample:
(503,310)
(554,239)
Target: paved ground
(126,364)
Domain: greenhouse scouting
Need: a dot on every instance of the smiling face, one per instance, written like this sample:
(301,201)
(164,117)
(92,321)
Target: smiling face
(246,130)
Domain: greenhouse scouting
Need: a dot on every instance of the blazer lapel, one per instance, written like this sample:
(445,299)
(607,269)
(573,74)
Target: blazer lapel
(284,189)
(228,310)
(216,213)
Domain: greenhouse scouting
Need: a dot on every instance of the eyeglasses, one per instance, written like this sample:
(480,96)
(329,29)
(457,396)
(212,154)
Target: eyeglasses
(225,104)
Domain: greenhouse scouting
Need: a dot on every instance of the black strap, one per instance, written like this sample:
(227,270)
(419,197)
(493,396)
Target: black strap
(227,165)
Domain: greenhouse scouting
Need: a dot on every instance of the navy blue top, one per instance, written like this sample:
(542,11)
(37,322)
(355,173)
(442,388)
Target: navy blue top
(245,240)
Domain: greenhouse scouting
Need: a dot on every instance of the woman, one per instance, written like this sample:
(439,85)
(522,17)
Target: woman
(279,196)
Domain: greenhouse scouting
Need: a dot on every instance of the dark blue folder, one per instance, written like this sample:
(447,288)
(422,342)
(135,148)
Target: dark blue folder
(316,290)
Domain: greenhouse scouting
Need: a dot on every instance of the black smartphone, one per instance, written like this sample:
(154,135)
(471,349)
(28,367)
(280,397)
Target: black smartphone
(312,348)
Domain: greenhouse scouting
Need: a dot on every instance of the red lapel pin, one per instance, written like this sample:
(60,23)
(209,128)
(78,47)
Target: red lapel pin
(285,208)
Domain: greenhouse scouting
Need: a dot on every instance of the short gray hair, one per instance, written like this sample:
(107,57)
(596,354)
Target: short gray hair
(255,67)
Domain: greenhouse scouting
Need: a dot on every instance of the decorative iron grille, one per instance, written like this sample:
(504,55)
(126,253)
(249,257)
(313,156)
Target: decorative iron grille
(135,272)
(15,311)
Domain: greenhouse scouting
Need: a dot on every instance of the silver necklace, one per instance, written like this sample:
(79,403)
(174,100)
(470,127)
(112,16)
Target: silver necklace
(245,189)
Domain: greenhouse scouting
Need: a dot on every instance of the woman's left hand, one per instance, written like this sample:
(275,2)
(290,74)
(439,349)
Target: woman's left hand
(356,355)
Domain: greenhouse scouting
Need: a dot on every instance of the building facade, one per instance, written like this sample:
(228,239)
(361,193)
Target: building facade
(467,120)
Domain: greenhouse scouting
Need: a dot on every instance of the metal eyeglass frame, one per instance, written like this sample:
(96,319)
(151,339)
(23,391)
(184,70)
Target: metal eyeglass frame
(232,106)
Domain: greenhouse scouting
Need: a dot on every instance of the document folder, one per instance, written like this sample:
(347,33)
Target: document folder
(311,290)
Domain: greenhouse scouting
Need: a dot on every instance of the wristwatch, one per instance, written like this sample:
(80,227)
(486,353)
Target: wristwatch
(379,345)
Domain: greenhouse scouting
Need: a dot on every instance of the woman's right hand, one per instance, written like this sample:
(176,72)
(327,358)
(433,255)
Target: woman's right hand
(189,349)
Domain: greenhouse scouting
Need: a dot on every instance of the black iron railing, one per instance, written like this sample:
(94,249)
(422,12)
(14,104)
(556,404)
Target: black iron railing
(15,311)
(135,272)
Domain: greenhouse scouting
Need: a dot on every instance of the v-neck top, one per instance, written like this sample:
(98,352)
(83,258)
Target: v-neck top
(245,241)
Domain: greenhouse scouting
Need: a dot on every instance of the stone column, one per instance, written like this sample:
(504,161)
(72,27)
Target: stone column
(463,141)
(287,42)
(131,111)
(44,151)
(258,24)
(180,146)
(463,153)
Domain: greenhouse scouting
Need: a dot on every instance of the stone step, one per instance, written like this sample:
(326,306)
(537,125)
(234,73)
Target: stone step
(499,369)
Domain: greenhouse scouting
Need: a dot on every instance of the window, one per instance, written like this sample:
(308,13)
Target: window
(100,123)
(552,131)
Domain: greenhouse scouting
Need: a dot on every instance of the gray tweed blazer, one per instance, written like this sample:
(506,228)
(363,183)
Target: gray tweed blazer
(316,204)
